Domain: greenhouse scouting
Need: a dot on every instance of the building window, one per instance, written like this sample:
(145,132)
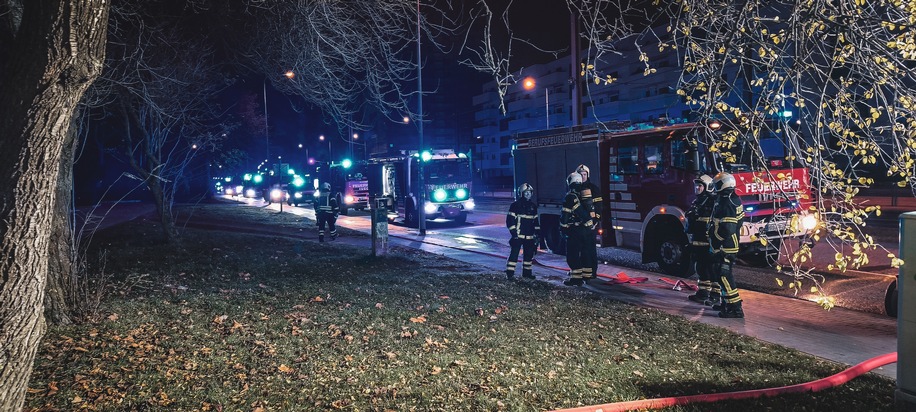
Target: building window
(679,154)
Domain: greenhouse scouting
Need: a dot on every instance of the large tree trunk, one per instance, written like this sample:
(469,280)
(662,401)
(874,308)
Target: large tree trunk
(164,209)
(50,60)
(62,253)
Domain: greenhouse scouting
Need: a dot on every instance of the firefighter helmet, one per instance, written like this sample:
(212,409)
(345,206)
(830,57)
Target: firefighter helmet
(326,186)
(724,181)
(573,178)
(583,169)
(525,187)
(705,181)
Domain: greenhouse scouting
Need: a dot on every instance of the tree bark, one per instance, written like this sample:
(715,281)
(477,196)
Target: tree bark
(62,253)
(59,49)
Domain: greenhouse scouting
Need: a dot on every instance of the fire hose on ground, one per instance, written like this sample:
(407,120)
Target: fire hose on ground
(813,386)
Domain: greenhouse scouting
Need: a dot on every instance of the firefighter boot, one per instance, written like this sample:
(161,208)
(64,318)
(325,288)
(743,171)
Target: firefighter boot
(527,274)
(701,296)
(510,275)
(732,310)
(714,299)
(321,238)
(573,282)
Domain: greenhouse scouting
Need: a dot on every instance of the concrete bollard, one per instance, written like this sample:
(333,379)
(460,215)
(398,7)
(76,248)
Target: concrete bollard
(905,395)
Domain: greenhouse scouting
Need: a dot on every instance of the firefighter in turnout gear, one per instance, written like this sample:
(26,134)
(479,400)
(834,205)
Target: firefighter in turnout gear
(698,218)
(725,225)
(590,196)
(524,225)
(576,223)
(326,211)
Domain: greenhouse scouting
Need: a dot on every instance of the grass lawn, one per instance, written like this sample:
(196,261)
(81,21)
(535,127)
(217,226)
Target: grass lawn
(232,321)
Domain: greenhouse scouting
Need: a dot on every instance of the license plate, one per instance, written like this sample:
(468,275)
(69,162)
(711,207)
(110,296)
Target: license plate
(775,226)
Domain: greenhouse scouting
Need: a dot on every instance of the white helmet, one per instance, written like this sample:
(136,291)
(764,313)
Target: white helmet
(326,186)
(573,178)
(583,169)
(724,181)
(705,181)
(525,187)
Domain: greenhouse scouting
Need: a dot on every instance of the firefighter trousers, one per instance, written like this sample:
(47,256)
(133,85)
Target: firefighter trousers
(517,244)
(702,262)
(589,254)
(723,263)
(576,254)
(326,219)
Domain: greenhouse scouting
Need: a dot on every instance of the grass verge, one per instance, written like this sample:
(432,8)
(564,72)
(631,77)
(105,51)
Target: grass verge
(231,321)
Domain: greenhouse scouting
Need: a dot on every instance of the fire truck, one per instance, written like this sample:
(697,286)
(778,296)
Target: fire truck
(446,184)
(351,182)
(646,180)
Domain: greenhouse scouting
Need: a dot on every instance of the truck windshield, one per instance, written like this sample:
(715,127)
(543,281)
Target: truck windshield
(448,170)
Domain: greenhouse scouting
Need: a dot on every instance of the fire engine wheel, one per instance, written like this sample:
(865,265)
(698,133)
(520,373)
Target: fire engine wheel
(342,206)
(672,256)
(890,299)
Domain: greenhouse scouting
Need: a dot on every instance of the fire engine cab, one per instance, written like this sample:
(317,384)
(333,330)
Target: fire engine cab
(646,180)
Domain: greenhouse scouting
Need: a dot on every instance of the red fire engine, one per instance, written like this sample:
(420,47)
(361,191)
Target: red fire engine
(646,180)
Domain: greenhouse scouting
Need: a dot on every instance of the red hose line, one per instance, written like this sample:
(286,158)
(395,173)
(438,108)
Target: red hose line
(813,386)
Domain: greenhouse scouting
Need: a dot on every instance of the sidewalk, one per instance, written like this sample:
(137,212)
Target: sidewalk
(840,335)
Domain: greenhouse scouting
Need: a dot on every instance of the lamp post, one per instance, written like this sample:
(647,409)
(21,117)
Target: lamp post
(329,147)
(530,84)
(421,213)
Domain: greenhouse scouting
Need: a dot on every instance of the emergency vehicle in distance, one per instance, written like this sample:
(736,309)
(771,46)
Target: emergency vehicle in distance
(351,182)
(646,179)
(446,181)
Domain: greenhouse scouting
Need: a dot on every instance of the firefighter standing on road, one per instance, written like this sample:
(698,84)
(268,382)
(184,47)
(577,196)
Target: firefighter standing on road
(326,211)
(524,225)
(698,218)
(727,218)
(576,223)
(590,195)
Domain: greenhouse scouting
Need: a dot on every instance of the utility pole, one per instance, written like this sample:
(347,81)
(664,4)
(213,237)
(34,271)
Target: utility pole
(421,213)
(574,80)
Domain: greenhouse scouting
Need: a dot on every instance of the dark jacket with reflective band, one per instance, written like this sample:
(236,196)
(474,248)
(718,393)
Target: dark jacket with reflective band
(727,218)
(325,203)
(590,195)
(574,213)
(698,218)
(522,220)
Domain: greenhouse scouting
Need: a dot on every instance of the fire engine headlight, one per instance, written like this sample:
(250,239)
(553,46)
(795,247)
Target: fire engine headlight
(809,222)
(298,195)
(349,199)
(239,189)
(430,208)
(229,191)
(461,194)
(250,193)
(439,195)
(276,194)
(469,205)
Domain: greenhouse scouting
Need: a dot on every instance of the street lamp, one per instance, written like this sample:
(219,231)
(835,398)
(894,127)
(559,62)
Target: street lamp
(529,84)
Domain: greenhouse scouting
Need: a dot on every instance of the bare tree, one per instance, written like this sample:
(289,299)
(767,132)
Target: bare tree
(160,85)
(50,52)
(343,57)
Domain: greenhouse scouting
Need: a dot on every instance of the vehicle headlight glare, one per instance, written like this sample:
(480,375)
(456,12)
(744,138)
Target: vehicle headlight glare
(439,195)
(298,195)
(349,199)
(430,208)
(276,194)
(469,205)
